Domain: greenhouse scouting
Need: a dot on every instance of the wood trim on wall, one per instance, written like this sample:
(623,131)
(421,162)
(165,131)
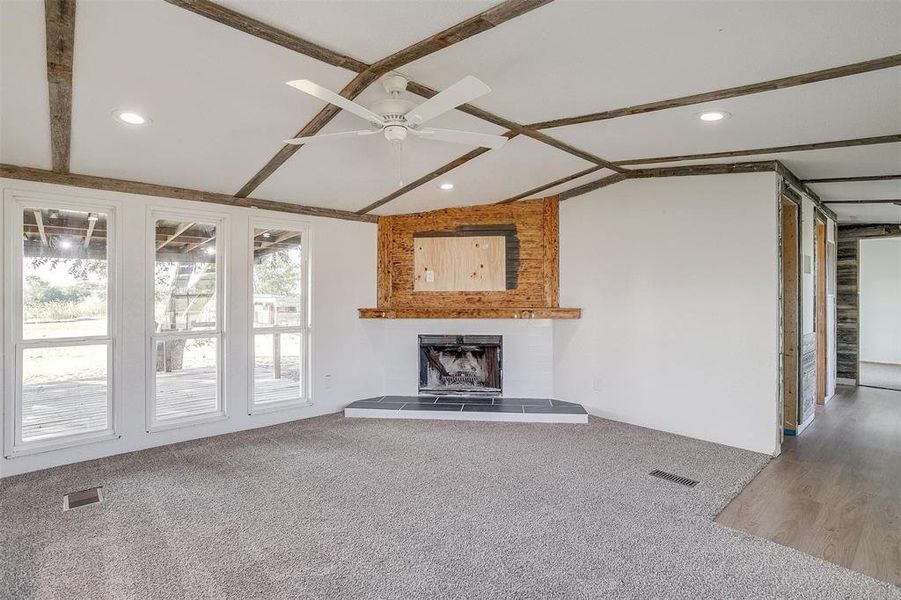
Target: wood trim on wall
(165,191)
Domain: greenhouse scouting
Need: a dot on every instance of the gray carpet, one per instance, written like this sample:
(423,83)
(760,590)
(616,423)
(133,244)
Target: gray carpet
(352,508)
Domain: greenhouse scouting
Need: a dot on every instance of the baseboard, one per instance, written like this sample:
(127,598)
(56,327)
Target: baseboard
(845,381)
(805,424)
(879,362)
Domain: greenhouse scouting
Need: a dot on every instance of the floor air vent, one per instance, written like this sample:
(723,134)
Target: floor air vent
(674,478)
(92,495)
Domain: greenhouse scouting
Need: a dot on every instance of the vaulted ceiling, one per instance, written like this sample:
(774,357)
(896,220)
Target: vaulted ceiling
(220,108)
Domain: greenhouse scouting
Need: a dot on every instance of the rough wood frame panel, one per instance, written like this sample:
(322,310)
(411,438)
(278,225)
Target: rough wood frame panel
(59,17)
(536,222)
(733,92)
(820,308)
(790,219)
(165,191)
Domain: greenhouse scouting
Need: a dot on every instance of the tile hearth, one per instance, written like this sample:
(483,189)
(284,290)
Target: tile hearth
(469,408)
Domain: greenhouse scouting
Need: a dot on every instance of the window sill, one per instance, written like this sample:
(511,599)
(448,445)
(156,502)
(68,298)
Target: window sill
(167,425)
(30,448)
(279,406)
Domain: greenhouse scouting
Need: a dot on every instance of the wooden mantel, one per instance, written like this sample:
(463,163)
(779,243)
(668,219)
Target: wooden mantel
(470,313)
(531,290)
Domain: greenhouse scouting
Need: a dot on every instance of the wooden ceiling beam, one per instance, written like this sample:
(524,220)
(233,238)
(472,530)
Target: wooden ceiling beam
(849,179)
(488,19)
(39,220)
(882,139)
(680,171)
(236,20)
(184,227)
(92,222)
(494,16)
(877,201)
(428,177)
(591,186)
(59,17)
(733,92)
(427,92)
(314,126)
(165,191)
(554,183)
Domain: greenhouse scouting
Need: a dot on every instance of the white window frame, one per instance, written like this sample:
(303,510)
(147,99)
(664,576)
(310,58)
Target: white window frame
(16,202)
(304,329)
(221,221)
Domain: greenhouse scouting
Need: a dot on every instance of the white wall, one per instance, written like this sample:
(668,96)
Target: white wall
(678,282)
(880,300)
(528,351)
(343,261)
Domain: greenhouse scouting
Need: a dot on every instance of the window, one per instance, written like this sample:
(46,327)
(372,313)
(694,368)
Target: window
(61,323)
(186,321)
(280,317)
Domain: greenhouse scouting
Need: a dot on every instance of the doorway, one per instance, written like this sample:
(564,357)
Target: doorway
(790,252)
(879,284)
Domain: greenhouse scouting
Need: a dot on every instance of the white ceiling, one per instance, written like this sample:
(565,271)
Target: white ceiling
(24,104)
(220,107)
(868,213)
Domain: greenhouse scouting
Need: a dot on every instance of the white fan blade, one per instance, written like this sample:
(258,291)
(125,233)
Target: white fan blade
(469,138)
(467,89)
(330,136)
(316,90)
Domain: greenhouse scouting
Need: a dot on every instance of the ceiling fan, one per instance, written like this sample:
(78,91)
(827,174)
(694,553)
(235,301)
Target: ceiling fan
(396,117)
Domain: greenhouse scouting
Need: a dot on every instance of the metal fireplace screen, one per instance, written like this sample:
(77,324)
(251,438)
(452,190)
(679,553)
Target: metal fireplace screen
(460,364)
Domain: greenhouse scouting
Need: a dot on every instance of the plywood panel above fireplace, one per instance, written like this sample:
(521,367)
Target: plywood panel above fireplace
(459,264)
(531,281)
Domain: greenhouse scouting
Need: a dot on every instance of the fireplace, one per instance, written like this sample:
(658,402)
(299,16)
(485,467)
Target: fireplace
(460,364)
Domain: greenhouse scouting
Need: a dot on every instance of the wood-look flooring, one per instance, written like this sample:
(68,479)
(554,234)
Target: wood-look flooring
(835,491)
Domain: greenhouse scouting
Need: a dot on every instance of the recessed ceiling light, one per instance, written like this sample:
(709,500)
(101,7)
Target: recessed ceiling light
(714,115)
(132,118)
(446,186)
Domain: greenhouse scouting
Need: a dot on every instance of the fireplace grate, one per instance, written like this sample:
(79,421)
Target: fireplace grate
(674,478)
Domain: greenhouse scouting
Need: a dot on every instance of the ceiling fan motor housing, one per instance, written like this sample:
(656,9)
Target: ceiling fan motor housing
(395,133)
(392,109)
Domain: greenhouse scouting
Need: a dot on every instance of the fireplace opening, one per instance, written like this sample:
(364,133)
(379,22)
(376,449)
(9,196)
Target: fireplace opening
(460,364)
